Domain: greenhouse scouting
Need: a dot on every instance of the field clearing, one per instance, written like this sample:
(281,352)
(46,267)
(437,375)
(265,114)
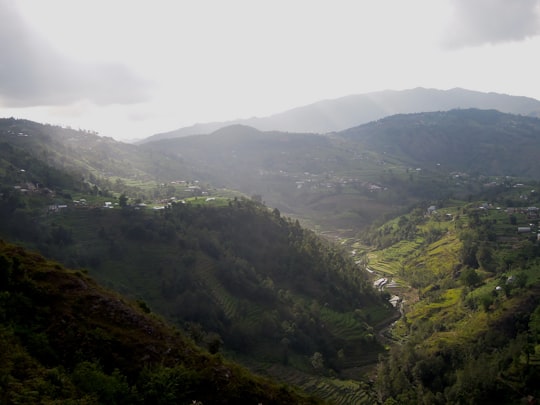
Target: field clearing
(423,309)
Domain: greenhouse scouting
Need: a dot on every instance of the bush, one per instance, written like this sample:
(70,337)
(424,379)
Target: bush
(108,389)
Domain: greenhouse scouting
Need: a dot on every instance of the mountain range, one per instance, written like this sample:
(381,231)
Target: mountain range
(351,177)
(350,111)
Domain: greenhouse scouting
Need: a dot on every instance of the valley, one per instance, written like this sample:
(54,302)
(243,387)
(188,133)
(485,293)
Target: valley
(387,263)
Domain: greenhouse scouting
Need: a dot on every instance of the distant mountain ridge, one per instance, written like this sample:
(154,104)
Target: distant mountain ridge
(471,140)
(333,177)
(350,111)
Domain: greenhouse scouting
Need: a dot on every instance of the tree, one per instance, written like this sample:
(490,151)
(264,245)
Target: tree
(122,200)
(213,342)
(484,257)
(257,198)
(469,240)
(469,277)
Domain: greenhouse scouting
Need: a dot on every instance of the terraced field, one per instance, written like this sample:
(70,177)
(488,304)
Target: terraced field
(424,310)
(344,325)
(225,300)
(390,261)
(333,390)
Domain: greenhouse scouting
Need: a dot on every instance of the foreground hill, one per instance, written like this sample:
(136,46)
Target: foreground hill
(66,339)
(346,112)
(238,272)
(234,274)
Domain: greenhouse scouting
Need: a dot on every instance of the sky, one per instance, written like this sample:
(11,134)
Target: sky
(129,69)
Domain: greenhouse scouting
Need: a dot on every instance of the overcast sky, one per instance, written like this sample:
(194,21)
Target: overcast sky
(130,69)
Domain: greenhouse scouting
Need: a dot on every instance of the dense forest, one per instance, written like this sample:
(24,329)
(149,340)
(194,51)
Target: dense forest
(65,339)
(256,280)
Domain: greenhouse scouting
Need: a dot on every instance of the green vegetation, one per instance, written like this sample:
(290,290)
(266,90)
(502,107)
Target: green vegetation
(237,277)
(50,157)
(437,206)
(369,173)
(467,336)
(66,339)
(239,270)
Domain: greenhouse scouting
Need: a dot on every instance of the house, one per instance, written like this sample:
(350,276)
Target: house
(532,212)
(524,229)
(380,283)
(56,207)
(394,300)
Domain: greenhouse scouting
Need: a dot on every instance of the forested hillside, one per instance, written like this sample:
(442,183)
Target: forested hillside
(96,164)
(486,142)
(65,339)
(257,281)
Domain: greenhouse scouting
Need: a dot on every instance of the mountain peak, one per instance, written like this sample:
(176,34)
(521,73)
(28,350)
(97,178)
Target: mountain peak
(346,112)
(238,129)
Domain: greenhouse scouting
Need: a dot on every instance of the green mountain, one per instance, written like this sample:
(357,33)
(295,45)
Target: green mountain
(241,271)
(350,178)
(351,111)
(472,141)
(92,161)
(309,176)
(65,339)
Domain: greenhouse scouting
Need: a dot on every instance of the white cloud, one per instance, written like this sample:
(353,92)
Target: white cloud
(33,73)
(478,22)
